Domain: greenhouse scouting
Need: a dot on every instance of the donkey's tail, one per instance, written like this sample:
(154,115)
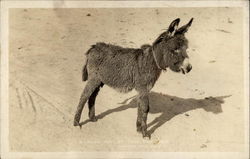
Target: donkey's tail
(84,69)
(85,72)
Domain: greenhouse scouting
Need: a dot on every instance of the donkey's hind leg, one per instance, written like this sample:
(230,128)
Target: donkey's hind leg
(90,87)
(91,103)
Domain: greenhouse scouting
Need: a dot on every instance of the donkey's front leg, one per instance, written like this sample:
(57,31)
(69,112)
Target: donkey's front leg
(144,109)
(139,117)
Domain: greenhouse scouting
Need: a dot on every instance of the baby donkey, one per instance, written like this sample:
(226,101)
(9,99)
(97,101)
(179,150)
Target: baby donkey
(127,68)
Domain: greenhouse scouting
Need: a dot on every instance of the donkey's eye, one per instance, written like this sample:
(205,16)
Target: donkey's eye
(177,51)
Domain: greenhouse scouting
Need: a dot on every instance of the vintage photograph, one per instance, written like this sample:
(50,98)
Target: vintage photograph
(132,79)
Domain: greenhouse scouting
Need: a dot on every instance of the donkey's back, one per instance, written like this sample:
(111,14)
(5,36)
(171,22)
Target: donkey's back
(110,49)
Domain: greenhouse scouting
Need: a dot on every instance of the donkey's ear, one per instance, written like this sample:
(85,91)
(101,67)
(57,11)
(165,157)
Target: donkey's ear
(184,28)
(173,27)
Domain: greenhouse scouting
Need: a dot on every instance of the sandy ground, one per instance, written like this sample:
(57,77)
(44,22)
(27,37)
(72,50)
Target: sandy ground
(46,56)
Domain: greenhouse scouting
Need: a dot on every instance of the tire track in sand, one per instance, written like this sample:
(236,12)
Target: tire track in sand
(19,98)
(31,101)
(31,90)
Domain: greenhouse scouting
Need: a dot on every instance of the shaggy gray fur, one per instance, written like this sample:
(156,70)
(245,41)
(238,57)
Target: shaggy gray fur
(125,69)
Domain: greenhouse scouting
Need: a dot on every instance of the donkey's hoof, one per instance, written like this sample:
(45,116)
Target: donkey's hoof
(139,129)
(146,136)
(76,123)
(93,119)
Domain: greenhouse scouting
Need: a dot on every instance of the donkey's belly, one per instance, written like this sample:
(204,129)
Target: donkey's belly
(117,81)
(120,77)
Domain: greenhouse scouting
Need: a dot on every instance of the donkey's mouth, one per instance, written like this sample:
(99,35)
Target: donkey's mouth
(183,71)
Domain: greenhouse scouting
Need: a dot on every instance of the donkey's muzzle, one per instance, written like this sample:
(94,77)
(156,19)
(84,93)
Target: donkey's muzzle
(186,66)
(189,68)
(186,69)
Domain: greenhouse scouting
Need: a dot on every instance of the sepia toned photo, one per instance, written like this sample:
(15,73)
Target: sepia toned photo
(125,80)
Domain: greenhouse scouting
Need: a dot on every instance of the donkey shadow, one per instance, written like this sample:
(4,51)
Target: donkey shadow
(169,107)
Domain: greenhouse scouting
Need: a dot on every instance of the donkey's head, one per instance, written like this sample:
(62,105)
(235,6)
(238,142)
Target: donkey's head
(170,48)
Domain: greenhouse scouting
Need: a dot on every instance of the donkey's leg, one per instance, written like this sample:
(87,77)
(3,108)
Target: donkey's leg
(90,87)
(91,103)
(139,117)
(144,109)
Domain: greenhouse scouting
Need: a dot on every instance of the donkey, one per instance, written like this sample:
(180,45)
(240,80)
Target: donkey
(127,68)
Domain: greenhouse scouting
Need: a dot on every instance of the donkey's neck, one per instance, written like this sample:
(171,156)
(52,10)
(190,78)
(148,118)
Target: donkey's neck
(148,65)
(149,53)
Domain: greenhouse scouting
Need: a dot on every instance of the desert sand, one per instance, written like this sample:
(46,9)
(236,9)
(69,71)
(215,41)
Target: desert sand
(199,111)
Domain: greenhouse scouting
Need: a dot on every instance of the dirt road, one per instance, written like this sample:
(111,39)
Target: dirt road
(200,111)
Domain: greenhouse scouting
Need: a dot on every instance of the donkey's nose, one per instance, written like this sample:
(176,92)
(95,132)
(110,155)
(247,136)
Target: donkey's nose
(189,68)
